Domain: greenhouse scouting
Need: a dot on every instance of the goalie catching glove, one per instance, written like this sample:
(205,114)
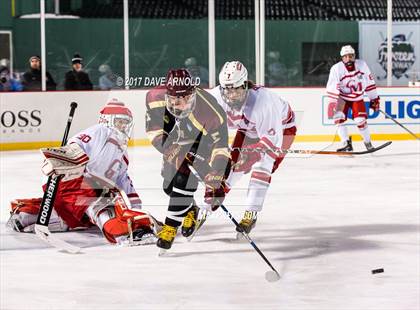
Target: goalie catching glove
(69,160)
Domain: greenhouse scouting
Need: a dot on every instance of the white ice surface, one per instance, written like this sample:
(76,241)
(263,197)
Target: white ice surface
(327,222)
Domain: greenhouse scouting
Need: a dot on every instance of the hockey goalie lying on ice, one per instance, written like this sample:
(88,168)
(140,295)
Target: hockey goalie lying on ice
(95,188)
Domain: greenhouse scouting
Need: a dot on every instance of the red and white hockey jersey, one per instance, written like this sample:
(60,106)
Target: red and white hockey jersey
(264,116)
(351,86)
(108,158)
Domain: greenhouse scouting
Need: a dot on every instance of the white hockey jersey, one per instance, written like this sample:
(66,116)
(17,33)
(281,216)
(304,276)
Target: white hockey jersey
(108,158)
(351,86)
(264,116)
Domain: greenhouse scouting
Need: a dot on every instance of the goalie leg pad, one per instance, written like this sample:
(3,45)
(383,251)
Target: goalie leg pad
(72,199)
(126,224)
(24,213)
(28,205)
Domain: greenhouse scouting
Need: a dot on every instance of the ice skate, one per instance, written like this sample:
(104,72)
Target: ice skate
(247,223)
(144,236)
(166,238)
(202,216)
(369,146)
(348,147)
(190,221)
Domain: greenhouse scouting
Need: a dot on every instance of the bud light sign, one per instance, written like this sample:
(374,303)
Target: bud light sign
(404,108)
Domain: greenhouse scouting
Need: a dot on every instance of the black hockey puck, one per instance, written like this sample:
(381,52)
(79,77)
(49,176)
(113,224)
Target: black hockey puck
(380,270)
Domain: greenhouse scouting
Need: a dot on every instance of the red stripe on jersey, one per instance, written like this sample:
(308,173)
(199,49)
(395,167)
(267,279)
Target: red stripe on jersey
(268,142)
(234,117)
(125,159)
(290,117)
(330,94)
(351,75)
(261,176)
(132,195)
(115,142)
(371,87)
(269,147)
(352,95)
(79,160)
(334,99)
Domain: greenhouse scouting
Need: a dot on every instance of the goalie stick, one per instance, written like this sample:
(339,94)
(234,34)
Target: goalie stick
(47,203)
(270,276)
(320,152)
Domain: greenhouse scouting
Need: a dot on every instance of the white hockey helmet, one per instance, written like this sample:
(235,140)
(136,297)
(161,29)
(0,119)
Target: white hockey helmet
(233,80)
(117,116)
(347,49)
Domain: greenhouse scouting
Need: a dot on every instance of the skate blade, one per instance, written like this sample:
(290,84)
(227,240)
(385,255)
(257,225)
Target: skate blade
(162,253)
(240,237)
(145,241)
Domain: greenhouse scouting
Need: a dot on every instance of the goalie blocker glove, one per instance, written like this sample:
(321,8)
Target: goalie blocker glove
(69,160)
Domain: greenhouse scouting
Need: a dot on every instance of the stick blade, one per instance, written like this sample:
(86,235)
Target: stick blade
(43,233)
(272,276)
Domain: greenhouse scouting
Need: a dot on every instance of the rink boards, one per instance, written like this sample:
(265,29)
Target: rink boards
(31,120)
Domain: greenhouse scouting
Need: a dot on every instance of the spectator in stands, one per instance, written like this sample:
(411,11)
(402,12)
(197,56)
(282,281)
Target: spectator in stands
(197,71)
(8,82)
(276,74)
(32,79)
(108,79)
(77,79)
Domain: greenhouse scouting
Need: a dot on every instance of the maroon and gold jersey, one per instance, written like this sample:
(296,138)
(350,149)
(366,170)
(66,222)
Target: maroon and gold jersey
(204,131)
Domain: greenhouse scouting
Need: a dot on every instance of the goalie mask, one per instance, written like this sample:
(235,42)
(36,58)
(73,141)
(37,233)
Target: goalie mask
(117,116)
(233,84)
(180,93)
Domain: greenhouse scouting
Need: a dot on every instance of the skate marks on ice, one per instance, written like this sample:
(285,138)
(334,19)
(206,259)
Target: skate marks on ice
(292,244)
(15,241)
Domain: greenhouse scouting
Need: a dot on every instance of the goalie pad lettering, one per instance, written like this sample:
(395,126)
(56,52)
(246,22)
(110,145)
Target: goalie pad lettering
(69,160)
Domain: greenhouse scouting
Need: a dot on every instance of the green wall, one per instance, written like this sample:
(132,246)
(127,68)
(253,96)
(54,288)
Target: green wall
(156,45)
(5,15)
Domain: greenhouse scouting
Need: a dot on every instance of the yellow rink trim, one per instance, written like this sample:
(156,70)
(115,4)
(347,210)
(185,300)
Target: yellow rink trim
(14,146)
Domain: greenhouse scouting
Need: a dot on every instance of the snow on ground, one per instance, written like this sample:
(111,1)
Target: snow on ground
(327,222)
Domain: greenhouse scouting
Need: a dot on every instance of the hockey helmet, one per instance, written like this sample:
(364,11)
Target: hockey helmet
(117,116)
(233,80)
(347,49)
(180,93)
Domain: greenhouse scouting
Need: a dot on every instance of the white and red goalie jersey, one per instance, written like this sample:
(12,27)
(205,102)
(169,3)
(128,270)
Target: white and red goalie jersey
(264,116)
(351,86)
(108,157)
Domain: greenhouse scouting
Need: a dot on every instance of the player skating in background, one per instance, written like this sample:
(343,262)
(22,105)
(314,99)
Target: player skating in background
(348,81)
(95,186)
(263,122)
(184,120)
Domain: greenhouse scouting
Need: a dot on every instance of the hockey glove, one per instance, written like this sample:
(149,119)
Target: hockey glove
(374,104)
(69,160)
(214,197)
(171,154)
(215,189)
(214,179)
(247,158)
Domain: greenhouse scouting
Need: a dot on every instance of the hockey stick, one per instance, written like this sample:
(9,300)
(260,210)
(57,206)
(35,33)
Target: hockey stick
(47,203)
(316,152)
(399,124)
(270,276)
